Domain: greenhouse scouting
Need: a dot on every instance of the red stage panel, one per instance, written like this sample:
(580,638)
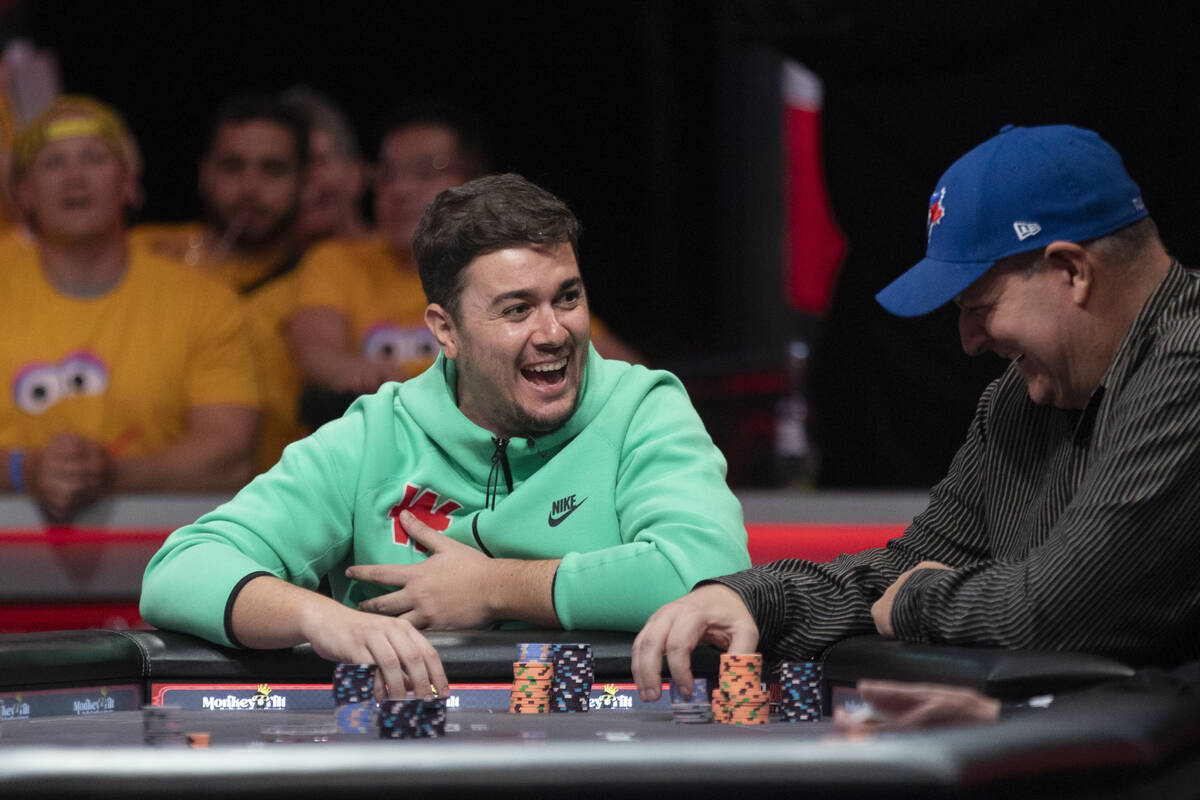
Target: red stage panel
(815,541)
(118,609)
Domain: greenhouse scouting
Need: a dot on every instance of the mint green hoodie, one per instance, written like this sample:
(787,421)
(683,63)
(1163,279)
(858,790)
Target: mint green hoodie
(630,493)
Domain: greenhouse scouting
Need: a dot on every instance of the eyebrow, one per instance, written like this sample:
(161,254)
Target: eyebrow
(520,294)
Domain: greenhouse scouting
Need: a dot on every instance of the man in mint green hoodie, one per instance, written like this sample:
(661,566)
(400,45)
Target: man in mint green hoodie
(521,478)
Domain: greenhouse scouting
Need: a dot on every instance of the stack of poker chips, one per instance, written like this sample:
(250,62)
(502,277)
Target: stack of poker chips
(740,697)
(800,691)
(693,709)
(354,695)
(160,726)
(574,673)
(531,687)
(414,718)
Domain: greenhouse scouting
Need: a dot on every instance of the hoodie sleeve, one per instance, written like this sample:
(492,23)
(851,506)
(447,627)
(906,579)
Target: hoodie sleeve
(291,522)
(679,521)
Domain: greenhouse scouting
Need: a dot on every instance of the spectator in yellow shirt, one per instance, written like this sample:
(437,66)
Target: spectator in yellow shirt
(125,373)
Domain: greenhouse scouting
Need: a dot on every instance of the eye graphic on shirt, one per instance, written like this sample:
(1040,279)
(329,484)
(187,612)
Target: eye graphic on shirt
(385,342)
(36,388)
(83,374)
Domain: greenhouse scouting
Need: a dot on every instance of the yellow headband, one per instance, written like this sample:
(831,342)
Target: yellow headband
(69,116)
(72,126)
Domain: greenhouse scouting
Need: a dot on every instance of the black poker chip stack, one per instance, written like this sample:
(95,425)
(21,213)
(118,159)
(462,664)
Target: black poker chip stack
(414,718)
(800,691)
(354,695)
(574,673)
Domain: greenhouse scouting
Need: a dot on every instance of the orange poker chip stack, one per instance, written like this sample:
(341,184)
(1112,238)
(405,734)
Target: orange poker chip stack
(531,687)
(740,697)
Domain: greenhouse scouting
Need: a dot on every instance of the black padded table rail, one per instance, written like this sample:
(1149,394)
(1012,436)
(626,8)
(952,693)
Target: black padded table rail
(44,660)
(1005,674)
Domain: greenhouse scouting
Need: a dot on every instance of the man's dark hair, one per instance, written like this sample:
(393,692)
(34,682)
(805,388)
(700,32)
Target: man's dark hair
(255,107)
(480,217)
(468,136)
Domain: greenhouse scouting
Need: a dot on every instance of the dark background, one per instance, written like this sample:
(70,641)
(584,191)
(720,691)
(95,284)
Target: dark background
(658,122)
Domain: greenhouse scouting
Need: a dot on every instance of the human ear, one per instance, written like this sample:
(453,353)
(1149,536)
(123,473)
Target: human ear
(441,325)
(1075,266)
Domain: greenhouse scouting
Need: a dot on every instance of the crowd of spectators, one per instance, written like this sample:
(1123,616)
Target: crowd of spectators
(186,356)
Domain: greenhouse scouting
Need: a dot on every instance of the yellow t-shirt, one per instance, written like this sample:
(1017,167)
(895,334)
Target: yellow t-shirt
(123,368)
(267,306)
(379,294)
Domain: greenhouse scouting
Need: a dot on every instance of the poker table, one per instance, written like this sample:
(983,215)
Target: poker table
(1092,742)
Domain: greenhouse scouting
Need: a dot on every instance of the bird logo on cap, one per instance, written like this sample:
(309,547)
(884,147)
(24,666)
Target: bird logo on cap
(937,210)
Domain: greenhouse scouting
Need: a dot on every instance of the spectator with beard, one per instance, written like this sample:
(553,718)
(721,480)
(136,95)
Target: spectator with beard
(251,180)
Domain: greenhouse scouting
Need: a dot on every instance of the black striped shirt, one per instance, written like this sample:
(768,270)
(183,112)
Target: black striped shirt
(1068,529)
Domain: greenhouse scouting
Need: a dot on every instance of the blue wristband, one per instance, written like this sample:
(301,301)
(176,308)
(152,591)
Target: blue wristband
(16,470)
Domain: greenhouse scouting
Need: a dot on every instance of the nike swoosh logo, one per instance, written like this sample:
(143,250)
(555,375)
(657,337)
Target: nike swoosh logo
(554,521)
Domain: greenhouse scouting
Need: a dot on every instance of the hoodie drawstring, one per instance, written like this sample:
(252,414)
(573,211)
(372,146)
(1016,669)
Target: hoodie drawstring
(499,459)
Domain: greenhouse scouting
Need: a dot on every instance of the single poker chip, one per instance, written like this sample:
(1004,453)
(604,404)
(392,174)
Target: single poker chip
(533,651)
(533,670)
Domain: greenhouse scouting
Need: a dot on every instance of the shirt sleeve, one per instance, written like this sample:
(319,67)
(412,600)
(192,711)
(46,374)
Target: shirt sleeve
(802,607)
(679,521)
(1119,571)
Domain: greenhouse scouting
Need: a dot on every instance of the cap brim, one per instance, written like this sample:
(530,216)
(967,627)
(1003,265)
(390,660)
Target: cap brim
(929,285)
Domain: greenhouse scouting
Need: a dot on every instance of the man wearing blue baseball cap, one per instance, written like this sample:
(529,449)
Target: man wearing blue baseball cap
(1070,517)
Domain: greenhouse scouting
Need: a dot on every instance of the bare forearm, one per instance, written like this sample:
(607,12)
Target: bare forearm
(332,368)
(319,339)
(523,590)
(270,613)
(193,464)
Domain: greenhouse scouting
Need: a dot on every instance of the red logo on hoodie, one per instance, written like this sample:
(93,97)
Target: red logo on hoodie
(423,503)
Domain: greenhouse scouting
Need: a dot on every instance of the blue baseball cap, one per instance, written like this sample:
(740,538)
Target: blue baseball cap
(1016,192)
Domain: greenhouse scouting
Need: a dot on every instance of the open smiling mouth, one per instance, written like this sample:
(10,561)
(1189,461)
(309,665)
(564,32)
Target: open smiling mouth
(551,373)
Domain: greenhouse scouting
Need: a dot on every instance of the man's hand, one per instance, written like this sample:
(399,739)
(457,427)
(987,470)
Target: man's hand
(407,661)
(270,613)
(66,475)
(881,610)
(447,591)
(712,613)
(909,706)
